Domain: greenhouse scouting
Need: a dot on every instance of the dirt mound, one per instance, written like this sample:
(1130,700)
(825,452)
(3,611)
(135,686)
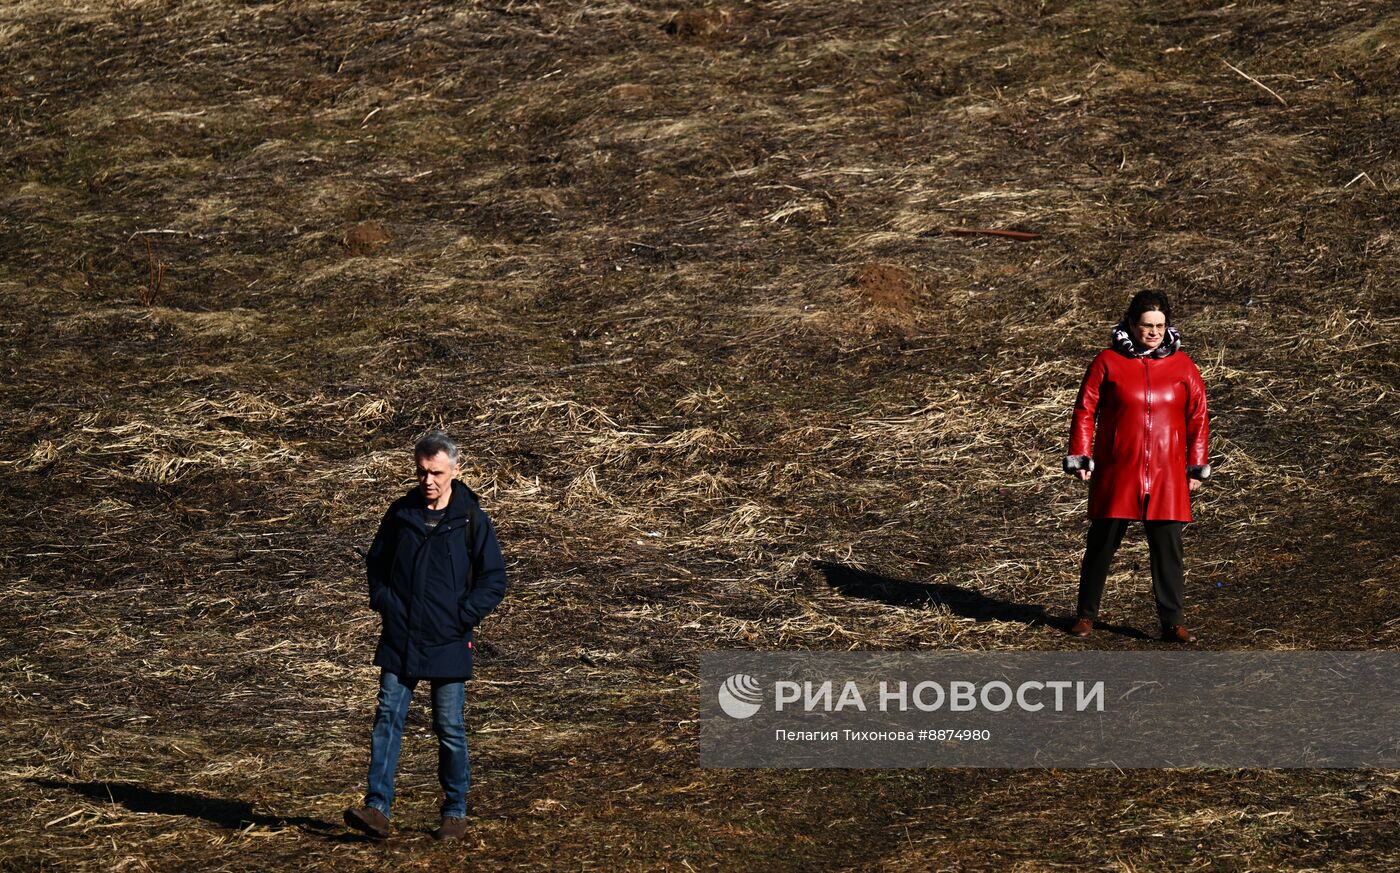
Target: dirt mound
(632,92)
(365,237)
(890,287)
(699,25)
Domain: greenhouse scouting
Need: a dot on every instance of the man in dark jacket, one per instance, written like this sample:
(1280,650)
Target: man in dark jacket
(435,571)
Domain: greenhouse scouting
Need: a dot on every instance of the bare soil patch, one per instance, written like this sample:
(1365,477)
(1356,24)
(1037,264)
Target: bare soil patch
(706,24)
(365,237)
(888,287)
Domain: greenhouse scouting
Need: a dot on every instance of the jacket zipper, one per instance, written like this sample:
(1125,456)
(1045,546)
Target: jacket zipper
(418,556)
(1147,443)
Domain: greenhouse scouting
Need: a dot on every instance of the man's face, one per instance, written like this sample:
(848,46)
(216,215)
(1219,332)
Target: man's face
(435,477)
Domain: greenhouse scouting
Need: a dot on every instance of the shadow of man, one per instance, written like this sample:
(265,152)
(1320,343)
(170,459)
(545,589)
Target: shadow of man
(232,814)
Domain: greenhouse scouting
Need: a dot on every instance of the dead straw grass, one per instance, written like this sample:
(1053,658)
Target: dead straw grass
(678,278)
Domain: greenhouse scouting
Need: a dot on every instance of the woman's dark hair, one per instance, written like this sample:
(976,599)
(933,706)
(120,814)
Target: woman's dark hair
(1146,301)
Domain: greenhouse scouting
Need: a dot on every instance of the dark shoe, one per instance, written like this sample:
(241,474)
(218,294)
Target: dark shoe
(452,828)
(1081,627)
(368,820)
(1176,633)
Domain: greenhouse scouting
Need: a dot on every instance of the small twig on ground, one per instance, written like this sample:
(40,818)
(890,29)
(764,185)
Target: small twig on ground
(151,290)
(990,231)
(165,230)
(596,364)
(1256,81)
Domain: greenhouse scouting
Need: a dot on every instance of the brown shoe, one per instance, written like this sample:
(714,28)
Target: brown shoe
(368,820)
(1082,626)
(452,828)
(1176,633)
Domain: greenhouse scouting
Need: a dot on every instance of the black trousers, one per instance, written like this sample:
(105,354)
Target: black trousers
(1165,556)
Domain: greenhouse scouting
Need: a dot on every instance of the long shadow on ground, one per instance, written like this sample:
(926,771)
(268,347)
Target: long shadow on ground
(224,813)
(963,602)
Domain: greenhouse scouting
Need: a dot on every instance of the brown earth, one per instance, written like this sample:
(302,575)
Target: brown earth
(888,286)
(622,272)
(365,237)
(699,25)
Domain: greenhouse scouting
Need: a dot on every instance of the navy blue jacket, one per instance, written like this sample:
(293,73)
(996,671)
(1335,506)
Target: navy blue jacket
(429,592)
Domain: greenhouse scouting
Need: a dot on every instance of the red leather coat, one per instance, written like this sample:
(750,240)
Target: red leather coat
(1152,425)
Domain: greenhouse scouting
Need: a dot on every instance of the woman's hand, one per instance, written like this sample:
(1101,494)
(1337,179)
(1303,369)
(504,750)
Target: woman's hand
(1193,484)
(1085,474)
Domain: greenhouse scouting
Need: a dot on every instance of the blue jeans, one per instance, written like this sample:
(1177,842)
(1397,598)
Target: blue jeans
(454,767)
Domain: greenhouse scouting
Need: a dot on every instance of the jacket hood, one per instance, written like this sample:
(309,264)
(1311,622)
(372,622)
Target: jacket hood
(1121,341)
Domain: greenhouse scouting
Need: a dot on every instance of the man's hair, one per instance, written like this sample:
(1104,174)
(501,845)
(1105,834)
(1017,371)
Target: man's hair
(1147,301)
(432,442)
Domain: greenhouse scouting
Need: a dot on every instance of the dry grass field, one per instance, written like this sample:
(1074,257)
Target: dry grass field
(685,281)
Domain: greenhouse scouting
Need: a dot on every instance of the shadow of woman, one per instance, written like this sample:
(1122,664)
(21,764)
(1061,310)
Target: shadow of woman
(963,602)
(232,814)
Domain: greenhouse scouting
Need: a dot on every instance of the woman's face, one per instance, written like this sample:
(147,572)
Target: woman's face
(1149,330)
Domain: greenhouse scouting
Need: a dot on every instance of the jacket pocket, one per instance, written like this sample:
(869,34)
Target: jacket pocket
(392,613)
(439,617)
(384,599)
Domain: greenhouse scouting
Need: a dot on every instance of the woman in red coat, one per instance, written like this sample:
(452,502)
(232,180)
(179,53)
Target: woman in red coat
(1149,403)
